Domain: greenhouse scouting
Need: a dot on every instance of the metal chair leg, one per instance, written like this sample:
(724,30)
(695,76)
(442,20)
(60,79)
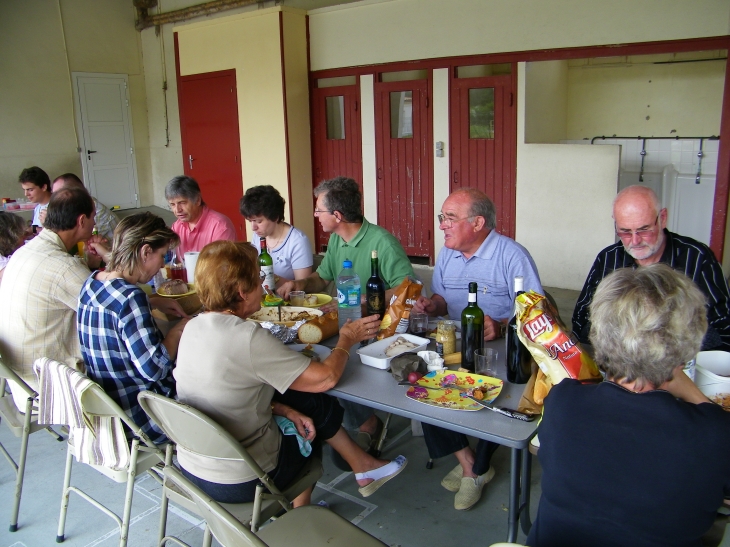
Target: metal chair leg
(383,436)
(20,468)
(65,495)
(164,501)
(131,474)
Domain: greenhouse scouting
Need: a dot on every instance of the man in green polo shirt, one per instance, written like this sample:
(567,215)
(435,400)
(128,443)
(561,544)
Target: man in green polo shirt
(339,211)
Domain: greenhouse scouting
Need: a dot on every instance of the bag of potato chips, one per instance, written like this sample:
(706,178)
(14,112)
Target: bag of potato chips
(556,352)
(397,316)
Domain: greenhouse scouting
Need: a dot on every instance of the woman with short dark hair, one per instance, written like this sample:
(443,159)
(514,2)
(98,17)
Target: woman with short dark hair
(12,236)
(245,379)
(289,248)
(642,459)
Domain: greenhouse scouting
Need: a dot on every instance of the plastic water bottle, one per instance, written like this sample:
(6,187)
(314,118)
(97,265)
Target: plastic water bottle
(348,294)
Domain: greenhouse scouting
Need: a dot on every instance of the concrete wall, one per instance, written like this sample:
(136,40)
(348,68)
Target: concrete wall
(546,101)
(41,43)
(381,31)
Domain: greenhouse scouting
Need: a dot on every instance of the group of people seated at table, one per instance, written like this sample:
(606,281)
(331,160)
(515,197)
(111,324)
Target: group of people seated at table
(639,458)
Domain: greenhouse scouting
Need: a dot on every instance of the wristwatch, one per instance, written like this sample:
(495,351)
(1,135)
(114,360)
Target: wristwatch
(502,329)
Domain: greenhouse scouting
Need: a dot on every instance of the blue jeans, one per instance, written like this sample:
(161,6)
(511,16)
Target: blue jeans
(442,442)
(326,414)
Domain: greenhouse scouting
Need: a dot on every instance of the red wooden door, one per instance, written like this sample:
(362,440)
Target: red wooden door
(210,140)
(404,164)
(337,140)
(483,142)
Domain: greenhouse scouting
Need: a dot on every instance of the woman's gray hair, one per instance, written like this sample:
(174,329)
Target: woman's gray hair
(645,322)
(131,234)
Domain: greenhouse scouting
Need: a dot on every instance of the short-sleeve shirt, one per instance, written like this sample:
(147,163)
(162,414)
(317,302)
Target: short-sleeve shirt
(122,346)
(293,253)
(37,214)
(211,226)
(392,259)
(38,300)
(494,267)
(228,369)
(622,468)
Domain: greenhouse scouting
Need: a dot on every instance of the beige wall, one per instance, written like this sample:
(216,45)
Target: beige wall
(546,101)
(377,31)
(645,99)
(41,43)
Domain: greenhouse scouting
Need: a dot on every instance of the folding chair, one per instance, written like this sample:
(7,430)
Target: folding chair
(194,431)
(22,424)
(307,526)
(95,402)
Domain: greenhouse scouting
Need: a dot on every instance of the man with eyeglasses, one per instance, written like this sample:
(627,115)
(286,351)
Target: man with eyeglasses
(339,211)
(473,251)
(641,227)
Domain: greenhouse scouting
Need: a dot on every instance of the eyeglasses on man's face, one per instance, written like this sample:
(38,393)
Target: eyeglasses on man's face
(643,232)
(449,221)
(318,212)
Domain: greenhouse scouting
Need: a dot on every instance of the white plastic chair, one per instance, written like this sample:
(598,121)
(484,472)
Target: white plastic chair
(95,402)
(307,526)
(191,429)
(21,424)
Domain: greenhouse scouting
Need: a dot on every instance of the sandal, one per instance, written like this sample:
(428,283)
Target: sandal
(381,475)
(369,442)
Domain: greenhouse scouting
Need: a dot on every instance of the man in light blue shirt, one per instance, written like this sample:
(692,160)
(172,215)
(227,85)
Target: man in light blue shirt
(473,251)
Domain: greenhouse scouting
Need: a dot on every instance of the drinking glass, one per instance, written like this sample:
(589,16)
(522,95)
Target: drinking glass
(418,323)
(486,361)
(296,298)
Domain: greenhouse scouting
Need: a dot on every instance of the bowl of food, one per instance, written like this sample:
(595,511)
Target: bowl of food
(175,288)
(272,300)
(313,300)
(380,353)
(289,315)
(713,386)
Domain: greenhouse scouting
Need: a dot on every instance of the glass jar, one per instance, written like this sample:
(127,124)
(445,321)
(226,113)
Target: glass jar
(446,338)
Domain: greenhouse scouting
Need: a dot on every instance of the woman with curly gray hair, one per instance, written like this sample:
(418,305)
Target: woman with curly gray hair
(12,235)
(642,458)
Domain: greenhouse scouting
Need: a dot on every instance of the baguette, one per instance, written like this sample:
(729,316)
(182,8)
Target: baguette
(318,329)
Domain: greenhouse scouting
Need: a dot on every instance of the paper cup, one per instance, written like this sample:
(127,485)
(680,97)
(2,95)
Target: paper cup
(191,259)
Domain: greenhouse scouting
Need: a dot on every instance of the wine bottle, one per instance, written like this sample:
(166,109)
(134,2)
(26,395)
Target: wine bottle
(375,289)
(519,360)
(472,329)
(267,267)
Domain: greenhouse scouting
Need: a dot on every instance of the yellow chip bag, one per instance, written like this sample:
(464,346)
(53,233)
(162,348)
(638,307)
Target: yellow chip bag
(397,316)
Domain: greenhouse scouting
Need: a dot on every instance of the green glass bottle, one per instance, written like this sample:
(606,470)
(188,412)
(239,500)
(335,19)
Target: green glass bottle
(472,329)
(267,267)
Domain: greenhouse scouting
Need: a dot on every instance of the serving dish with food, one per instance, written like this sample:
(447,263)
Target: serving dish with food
(289,315)
(313,351)
(175,288)
(316,300)
(452,389)
(380,353)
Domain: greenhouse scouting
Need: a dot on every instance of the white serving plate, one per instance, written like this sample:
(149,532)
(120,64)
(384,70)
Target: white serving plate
(716,362)
(709,383)
(374,354)
(322,351)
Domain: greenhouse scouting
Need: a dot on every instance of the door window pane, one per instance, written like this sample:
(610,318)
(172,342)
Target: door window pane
(481,71)
(401,114)
(481,113)
(335,108)
(336,82)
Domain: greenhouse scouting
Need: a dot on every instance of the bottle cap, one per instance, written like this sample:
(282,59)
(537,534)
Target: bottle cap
(347,264)
(473,287)
(374,254)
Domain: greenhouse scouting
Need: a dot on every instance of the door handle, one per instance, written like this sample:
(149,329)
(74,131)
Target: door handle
(456,177)
(380,172)
(89,152)
(190,161)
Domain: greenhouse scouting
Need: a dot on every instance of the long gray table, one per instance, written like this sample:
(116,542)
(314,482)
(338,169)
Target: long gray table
(378,389)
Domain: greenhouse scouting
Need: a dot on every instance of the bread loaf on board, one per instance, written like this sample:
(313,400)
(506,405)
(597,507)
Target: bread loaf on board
(318,329)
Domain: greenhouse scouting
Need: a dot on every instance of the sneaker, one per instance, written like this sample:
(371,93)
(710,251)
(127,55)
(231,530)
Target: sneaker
(452,481)
(471,490)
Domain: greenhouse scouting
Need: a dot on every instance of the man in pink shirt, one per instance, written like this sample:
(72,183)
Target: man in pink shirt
(196,224)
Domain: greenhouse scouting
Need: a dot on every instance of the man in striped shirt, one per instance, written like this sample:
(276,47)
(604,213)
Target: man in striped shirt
(641,226)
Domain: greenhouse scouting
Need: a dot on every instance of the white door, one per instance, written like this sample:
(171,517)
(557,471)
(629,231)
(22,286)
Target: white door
(107,147)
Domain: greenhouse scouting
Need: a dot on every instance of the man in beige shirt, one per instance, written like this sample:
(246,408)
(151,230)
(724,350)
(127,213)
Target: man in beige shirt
(40,290)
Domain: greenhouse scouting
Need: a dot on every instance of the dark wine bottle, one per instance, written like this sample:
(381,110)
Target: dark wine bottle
(472,329)
(375,289)
(519,360)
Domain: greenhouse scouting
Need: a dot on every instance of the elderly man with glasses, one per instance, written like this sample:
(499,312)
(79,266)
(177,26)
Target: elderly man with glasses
(641,227)
(473,251)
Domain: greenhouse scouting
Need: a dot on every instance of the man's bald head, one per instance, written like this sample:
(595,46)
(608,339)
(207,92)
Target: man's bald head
(67,180)
(635,197)
(640,222)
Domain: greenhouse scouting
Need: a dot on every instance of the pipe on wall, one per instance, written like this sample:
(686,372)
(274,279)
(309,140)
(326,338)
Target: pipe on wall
(145,20)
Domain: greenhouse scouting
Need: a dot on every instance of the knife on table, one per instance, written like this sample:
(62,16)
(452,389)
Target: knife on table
(499,410)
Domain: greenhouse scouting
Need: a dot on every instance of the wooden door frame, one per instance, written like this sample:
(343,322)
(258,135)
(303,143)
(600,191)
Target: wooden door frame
(722,180)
